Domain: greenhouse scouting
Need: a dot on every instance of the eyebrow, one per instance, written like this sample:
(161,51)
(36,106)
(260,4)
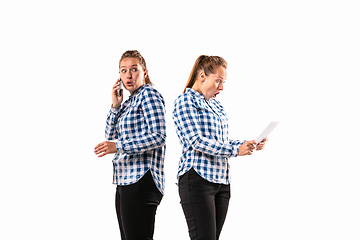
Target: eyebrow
(134,65)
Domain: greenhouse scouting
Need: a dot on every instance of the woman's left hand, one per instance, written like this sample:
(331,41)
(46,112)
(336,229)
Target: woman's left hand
(105,148)
(261,145)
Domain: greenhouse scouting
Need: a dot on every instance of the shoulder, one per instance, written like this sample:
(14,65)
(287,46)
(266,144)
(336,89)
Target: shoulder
(184,100)
(149,92)
(190,97)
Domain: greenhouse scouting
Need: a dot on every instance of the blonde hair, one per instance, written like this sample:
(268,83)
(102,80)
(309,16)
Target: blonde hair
(207,64)
(136,54)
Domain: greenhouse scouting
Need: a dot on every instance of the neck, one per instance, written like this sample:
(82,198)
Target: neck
(199,91)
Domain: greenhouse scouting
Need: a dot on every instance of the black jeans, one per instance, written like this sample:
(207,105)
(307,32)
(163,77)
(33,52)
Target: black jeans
(136,206)
(205,205)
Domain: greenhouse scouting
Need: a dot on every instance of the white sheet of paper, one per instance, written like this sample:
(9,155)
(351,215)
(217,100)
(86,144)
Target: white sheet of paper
(266,131)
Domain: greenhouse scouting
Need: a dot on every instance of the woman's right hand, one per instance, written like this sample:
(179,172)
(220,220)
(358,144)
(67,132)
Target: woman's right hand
(116,98)
(247,148)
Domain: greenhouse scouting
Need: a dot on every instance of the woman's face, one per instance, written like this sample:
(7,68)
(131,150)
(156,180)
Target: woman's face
(132,74)
(213,83)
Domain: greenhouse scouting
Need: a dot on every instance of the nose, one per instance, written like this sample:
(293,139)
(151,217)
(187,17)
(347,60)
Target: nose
(221,87)
(128,75)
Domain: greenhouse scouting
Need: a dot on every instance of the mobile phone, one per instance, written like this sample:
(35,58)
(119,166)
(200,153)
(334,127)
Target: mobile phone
(120,86)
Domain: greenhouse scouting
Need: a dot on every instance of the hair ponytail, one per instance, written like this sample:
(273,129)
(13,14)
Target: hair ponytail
(207,64)
(193,74)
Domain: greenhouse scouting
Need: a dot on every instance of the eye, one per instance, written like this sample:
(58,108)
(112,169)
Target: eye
(134,69)
(123,71)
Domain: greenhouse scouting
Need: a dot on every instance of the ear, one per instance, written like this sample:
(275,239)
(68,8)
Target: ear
(202,76)
(145,73)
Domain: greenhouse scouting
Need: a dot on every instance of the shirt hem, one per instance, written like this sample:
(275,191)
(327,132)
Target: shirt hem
(133,182)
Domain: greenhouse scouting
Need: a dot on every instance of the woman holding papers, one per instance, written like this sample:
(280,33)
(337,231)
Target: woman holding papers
(202,128)
(138,128)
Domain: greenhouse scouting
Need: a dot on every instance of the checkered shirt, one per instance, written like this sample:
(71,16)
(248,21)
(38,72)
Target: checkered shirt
(138,128)
(202,129)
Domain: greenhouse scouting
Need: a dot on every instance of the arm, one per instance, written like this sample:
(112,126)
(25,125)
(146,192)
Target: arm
(236,142)
(111,119)
(110,129)
(187,121)
(107,147)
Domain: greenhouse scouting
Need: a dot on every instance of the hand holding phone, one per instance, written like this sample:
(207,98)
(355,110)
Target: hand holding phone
(117,94)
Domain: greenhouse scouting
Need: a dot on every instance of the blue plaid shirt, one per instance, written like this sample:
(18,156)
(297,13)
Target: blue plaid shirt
(138,128)
(202,129)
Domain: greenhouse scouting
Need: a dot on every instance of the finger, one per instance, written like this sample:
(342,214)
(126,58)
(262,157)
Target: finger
(261,147)
(104,148)
(101,149)
(101,155)
(117,84)
(251,146)
(100,145)
(97,146)
(98,151)
(116,88)
(252,143)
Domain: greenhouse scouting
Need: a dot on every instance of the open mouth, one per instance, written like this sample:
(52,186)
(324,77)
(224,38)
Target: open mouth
(129,83)
(216,94)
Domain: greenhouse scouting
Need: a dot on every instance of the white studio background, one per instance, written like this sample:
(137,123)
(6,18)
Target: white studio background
(292,61)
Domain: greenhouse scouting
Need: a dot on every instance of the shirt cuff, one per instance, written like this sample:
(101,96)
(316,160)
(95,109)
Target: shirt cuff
(119,147)
(115,110)
(235,151)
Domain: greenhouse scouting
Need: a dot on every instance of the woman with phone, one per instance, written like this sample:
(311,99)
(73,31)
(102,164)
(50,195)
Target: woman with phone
(202,128)
(138,129)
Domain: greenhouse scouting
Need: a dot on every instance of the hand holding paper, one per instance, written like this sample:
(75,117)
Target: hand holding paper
(260,140)
(246,148)
(261,145)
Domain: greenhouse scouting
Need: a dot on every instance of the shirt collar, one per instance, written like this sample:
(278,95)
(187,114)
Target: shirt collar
(195,93)
(136,92)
